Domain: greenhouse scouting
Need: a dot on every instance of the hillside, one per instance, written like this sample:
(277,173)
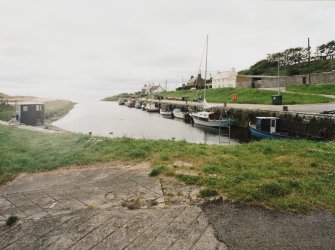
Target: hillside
(265,67)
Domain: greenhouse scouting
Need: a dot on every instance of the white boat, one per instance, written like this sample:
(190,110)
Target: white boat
(206,118)
(210,119)
(151,107)
(167,113)
(177,113)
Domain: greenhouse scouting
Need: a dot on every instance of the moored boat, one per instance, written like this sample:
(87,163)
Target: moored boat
(178,113)
(138,105)
(210,119)
(151,107)
(122,101)
(166,113)
(130,103)
(266,128)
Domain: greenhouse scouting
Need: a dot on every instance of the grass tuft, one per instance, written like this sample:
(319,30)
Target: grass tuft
(11,220)
(208,192)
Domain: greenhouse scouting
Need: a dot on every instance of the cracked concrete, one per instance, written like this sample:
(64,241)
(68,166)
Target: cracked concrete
(86,208)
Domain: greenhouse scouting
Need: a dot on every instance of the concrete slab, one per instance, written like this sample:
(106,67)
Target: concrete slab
(101,207)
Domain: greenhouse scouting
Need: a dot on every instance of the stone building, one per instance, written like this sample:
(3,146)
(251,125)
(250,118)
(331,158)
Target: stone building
(196,82)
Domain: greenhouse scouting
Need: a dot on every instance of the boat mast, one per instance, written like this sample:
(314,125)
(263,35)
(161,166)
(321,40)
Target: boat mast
(206,68)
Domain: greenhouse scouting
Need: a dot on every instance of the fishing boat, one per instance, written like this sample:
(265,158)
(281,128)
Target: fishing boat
(178,113)
(266,128)
(130,103)
(166,113)
(122,101)
(151,108)
(138,105)
(206,118)
(210,119)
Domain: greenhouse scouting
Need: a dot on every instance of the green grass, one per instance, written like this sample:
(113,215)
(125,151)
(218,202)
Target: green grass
(11,220)
(326,88)
(284,175)
(115,98)
(247,95)
(7,112)
(208,192)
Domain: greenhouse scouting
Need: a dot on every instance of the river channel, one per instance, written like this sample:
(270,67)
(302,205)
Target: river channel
(112,120)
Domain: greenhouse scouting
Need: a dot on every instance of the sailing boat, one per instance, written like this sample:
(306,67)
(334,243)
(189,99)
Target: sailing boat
(206,118)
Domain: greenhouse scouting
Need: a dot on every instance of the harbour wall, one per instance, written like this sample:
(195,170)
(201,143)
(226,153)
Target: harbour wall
(309,125)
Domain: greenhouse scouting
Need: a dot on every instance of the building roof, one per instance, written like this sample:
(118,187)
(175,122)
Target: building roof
(224,74)
(30,103)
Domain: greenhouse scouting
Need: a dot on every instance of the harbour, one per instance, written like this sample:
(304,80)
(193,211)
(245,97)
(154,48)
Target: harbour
(112,120)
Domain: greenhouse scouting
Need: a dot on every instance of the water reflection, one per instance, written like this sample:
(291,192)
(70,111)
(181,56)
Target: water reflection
(110,119)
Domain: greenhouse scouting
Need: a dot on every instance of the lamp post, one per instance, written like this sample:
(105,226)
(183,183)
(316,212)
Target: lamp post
(182,78)
(278,79)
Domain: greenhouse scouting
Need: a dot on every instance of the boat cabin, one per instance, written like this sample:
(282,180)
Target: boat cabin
(31,114)
(267,124)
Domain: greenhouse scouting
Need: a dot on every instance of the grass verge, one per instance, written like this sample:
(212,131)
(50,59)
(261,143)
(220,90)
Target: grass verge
(284,175)
(247,95)
(325,89)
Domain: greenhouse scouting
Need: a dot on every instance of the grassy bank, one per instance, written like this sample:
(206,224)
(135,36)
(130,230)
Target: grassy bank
(56,109)
(246,95)
(286,175)
(326,88)
(115,98)
(7,112)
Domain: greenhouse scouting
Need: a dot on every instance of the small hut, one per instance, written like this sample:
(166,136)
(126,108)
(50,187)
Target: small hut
(31,114)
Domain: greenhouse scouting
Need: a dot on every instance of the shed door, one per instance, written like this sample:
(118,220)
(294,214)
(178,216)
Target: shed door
(273,126)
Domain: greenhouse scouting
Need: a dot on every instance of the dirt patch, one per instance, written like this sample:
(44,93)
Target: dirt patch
(246,227)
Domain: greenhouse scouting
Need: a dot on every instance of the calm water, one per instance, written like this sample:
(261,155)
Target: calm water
(110,119)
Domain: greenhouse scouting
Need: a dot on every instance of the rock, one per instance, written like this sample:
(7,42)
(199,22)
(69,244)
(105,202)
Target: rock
(182,164)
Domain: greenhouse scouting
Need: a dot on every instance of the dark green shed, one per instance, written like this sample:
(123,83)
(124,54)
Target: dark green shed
(30,114)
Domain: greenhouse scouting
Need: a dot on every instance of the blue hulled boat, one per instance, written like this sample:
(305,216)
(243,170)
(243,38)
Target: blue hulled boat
(265,128)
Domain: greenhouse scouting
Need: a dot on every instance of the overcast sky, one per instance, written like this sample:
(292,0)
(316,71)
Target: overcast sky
(94,48)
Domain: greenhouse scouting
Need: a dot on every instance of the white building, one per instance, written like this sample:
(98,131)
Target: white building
(150,88)
(224,79)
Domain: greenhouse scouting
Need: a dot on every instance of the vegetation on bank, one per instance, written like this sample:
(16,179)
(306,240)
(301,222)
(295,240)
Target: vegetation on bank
(266,67)
(115,98)
(56,109)
(246,95)
(285,175)
(7,112)
(326,88)
(294,61)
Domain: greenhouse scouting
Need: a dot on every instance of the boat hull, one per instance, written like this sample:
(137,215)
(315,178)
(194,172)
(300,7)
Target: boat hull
(265,135)
(178,114)
(212,123)
(152,110)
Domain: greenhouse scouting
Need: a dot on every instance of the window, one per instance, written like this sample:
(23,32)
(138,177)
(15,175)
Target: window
(273,123)
(25,108)
(38,108)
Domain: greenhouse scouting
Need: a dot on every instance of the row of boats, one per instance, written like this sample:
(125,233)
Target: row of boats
(264,128)
(204,118)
